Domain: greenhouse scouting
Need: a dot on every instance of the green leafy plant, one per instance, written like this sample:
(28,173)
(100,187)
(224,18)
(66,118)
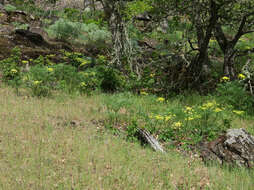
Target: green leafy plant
(64,29)
(79,32)
(11,70)
(111,79)
(10,8)
(41,80)
(234,94)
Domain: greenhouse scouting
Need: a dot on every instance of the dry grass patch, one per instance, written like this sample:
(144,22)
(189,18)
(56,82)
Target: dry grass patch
(40,148)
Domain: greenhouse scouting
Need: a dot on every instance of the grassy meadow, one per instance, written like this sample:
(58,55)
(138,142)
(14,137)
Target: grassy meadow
(55,143)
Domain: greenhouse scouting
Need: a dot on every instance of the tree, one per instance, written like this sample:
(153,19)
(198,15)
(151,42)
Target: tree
(239,19)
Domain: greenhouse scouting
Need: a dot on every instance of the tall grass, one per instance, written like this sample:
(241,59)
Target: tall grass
(41,148)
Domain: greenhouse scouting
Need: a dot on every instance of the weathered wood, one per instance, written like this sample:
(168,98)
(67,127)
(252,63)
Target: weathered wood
(149,139)
(236,147)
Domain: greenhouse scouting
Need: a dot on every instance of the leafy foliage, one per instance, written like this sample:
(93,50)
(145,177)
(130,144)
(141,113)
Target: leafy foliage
(84,33)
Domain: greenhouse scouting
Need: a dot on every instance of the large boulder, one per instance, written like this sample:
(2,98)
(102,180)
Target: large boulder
(236,147)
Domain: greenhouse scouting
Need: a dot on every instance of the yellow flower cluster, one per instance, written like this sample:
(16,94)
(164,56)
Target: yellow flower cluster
(160,99)
(217,110)
(225,79)
(191,114)
(50,69)
(144,93)
(238,112)
(241,76)
(25,62)
(152,75)
(209,105)
(177,125)
(77,54)
(212,105)
(14,71)
(51,55)
(162,118)
(101,57)
(37,82)
(83,84)
(83,63)
(68,54)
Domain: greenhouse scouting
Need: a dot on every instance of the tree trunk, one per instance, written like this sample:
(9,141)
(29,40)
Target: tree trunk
(204,34)
(228,66)
(227,47)
(122,47)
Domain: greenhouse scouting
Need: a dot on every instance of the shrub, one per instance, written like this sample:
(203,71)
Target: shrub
(185,125)
(234,94)
(40,80)
(111,79)
(11,70)
(10,8)
(64,29)
(79,32)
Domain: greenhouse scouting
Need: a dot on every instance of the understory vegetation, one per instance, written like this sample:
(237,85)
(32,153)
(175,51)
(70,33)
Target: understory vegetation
(183,71)
(55,143)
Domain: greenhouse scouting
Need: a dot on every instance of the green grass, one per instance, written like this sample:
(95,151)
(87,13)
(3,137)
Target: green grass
(41,149)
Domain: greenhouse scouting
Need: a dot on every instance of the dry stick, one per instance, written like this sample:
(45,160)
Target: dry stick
(150,140)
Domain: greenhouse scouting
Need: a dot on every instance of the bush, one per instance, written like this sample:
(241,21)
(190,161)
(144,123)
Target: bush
(111,79)
(11,70)
(79,32)
(65,30)
(10,8)
(233,94)
(40,80)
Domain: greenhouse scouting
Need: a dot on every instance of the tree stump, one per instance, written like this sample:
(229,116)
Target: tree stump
(236,147)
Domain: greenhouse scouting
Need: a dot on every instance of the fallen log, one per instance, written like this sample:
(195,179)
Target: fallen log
(147,138)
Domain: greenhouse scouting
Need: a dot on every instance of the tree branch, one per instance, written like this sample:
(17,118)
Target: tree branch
(220,37)
(240,29)
(191,45)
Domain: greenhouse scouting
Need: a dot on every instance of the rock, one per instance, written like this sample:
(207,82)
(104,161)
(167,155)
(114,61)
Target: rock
(236,147)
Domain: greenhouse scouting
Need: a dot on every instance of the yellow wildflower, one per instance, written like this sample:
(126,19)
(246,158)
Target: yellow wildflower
(217,110)
(152,75)
(150,116)
(50,69)
(25,78)
(144,93)
(83,84)
(188,108)
(37,82)
(159,117)
(189,118)
(77,53)
(25,62)
(67,54)
(101,57)
(14,71)
(167,118)
(241,76)
(160,99)
(84,62)
(208,105)
(197,116)
(225,79)
(177,124)
(238,112)
(51,55)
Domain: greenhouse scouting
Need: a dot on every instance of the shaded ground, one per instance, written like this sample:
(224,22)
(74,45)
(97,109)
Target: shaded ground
(33,42)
